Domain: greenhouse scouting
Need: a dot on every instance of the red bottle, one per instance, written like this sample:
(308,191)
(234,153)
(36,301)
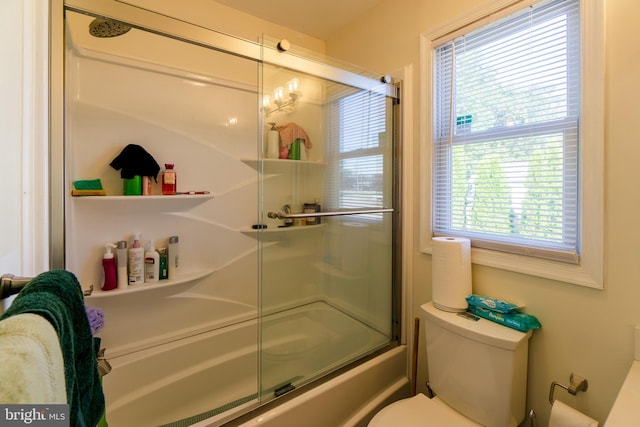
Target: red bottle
(169,179)
(109,265)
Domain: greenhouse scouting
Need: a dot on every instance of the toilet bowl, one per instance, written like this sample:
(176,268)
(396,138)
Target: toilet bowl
(420,411)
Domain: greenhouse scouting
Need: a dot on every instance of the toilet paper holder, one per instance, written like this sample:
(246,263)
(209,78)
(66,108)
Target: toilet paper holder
(578,383)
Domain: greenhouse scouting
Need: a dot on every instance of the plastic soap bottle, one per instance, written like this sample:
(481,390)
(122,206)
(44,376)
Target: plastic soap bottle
(109,266)
(169,179)
(151,265)
(136,262)
(164,271)
(273,142)
(121,261)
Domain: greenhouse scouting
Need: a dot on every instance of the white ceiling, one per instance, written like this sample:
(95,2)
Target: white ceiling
(317,18)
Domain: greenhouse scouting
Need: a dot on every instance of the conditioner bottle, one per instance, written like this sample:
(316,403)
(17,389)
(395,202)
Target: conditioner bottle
(173,259)
(151,265)
(136,262)
(121,260)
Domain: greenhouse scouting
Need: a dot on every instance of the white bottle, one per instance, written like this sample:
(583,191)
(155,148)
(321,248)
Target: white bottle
(173,260)
(273,142)
(136,262)
(151,265)
(121,259)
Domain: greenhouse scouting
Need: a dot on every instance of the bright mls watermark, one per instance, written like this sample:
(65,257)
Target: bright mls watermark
(34,415)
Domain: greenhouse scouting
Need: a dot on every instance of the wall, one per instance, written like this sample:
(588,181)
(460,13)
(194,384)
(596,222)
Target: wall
(23,247)
(586,331)
(224,19)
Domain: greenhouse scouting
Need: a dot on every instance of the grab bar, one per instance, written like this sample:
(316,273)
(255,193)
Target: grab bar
(11,285)
(283,215)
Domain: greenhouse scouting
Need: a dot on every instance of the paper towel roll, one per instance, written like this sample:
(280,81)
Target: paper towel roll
(565,416)
(451,273)
(355,247)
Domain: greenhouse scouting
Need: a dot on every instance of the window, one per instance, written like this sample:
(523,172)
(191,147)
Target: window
(508,134)
(358,122)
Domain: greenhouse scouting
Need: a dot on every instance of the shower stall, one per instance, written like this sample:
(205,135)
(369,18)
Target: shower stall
(287,254)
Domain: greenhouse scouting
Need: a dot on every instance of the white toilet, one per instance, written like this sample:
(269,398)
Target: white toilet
(477,370)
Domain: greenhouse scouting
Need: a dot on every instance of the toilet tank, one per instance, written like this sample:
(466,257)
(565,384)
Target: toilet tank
(476,366)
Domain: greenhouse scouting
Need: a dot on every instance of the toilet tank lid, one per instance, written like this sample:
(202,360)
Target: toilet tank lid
(481,330)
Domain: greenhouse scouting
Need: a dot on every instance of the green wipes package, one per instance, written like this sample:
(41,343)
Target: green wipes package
(515,320)
(492,304)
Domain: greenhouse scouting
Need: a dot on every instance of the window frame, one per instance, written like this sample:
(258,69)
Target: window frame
(589,271)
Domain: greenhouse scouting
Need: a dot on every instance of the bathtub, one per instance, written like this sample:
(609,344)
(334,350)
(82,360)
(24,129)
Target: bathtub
(212,378)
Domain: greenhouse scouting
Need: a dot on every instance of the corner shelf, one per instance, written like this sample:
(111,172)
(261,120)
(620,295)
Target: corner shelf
(281,165)
(166,287)
(178,202)
(274,233)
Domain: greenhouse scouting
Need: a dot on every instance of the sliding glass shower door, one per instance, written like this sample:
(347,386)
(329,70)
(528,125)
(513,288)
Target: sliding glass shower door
(327,226)
(286,218)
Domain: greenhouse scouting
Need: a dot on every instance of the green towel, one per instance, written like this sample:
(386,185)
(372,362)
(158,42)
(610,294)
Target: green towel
(57,296)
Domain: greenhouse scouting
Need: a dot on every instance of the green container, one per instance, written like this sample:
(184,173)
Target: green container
(164,271)
(133,186)
(294,151)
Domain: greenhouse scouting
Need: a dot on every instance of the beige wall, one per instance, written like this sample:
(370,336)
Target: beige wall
(586,331)
(224,19)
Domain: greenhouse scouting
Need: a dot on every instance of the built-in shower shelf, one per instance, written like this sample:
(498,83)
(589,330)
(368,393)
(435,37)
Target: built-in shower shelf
(281,165)
(173,203)
(164,287)
(278,232)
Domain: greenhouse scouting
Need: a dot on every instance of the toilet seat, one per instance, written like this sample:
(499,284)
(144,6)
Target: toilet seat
(420,411)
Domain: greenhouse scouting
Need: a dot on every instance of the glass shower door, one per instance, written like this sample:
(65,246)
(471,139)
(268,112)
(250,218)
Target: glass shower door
(327,238)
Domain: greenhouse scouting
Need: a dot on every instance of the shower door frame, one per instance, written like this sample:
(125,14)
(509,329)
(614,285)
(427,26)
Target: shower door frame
(178,30)
(192,34)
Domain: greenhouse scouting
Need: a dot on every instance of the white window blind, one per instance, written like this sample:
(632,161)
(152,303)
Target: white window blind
(506,141)
(357,125)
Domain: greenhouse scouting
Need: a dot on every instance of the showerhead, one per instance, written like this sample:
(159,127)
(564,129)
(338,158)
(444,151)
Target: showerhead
(107,28)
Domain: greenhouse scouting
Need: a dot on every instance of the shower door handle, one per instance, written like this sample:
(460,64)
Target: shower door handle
(283,215)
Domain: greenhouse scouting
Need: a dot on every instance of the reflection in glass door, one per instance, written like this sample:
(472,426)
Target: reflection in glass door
(326,251)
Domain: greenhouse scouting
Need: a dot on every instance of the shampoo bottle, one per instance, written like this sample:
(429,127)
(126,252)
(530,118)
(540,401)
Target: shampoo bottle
(109,266)
(151,265)
(136,262)
(121,260)
(173,259)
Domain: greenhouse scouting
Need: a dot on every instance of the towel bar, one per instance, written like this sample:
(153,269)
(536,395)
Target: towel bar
(11,285)
(284,215)
(578,383)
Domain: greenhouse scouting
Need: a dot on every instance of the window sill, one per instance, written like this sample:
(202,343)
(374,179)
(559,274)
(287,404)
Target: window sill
(582,274)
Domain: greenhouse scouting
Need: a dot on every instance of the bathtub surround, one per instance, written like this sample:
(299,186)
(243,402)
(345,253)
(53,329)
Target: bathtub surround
(252,314)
